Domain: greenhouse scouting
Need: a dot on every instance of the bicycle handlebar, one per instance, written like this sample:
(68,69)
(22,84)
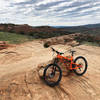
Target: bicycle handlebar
(56,51)
(71,51)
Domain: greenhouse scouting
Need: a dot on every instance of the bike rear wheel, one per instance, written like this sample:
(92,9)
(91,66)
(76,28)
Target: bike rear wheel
(52,74)
(82,62)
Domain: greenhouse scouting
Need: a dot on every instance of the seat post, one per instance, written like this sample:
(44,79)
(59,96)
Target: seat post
(72,53)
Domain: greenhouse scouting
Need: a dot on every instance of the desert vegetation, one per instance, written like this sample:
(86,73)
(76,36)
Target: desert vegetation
(14,38)
(36,32)
(88,39)
(21,33)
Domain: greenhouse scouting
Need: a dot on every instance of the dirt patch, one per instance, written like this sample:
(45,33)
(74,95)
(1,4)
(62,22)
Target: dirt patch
(20,80)
(28,86)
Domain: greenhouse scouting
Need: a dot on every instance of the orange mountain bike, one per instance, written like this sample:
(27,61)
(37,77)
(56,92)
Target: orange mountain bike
(53,73)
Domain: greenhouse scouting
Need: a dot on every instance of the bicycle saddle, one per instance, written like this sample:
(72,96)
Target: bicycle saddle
(72,52)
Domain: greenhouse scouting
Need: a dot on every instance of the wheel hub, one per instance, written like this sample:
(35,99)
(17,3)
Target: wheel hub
(51,75)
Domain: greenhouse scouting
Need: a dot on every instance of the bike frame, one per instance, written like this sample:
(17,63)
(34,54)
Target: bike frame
(62,58)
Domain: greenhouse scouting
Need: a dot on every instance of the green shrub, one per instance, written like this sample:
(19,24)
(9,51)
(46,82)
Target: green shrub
(47,44)
(14,38)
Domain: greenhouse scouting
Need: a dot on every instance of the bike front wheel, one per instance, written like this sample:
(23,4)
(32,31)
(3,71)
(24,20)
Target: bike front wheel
(81,61)
(52,75)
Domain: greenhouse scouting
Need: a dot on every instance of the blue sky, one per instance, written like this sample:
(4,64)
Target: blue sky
(50,12)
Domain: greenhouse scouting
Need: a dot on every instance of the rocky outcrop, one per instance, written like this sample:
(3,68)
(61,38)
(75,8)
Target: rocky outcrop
(66,39)
(3,45)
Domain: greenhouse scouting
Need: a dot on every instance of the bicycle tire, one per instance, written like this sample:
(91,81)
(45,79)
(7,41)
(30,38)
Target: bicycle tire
(52,84)
(86,65)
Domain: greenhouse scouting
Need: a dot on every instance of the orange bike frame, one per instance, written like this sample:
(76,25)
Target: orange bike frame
(61,58)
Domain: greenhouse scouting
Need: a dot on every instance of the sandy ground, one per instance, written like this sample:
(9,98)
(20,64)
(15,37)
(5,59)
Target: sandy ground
(19,79)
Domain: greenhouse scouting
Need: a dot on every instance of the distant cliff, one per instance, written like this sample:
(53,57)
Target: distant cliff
(36,32)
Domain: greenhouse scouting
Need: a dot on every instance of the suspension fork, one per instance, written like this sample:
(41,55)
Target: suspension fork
(56,60)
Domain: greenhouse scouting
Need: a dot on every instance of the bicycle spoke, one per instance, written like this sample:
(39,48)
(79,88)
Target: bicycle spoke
(52,74)
(82,63)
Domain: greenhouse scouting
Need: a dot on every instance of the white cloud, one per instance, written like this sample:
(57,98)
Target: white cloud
(18,11)
(3,4)
(18,1)
(46,1)
(90,9)
(96,3)
(63,4)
